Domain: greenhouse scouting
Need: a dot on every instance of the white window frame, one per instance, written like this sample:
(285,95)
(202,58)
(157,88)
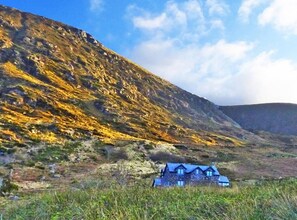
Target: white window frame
(209,173)
(180,171)
(180,183)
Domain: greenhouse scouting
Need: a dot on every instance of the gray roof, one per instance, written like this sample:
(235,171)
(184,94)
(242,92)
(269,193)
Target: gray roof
(190,167)
(223,179)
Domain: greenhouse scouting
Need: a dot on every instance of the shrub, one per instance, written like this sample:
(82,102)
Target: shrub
(114,154)
(7,187)
(162,156)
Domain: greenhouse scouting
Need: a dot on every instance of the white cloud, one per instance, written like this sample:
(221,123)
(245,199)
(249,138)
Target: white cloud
(217,24)
(222,71)
(217,58)
(164,57)
(186,20)
(281,14)
(172,17)
(150,23)
(201,70)
(96,5)
(247,7)
(217,7)
(264,79)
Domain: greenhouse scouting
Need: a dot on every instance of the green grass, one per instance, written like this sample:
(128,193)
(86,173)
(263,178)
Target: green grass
(268,200)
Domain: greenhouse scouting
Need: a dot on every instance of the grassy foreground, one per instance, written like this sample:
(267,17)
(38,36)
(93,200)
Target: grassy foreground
(273,200)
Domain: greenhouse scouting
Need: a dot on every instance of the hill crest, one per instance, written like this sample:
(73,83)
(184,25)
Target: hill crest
(277,118)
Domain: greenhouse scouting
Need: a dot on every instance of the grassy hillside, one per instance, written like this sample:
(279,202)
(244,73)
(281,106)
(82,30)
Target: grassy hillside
(58,83)
(266,200)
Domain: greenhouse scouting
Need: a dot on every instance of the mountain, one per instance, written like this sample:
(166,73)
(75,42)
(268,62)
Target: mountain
(58,83)
(278,118)
(72,110)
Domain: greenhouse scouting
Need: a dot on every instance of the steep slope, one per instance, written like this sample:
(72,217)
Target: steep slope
(275,118)
(57,82)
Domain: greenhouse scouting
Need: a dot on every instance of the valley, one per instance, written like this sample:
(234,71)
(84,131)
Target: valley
(76,116)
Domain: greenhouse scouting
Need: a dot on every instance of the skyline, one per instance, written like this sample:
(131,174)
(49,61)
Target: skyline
(228,52)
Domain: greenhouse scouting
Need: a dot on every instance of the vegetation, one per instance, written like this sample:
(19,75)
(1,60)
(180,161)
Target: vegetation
(266,200)
(165,157)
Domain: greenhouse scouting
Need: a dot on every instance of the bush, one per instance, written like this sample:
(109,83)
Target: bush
(162,156)
(112,153)
(7,187)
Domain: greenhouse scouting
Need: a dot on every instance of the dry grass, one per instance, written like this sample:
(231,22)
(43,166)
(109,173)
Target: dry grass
(268,200)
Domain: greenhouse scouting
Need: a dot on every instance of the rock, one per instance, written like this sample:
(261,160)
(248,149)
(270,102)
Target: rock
(52,168)
(57,176)
(27,40)
(39,165)
(14,198)
(39,44)
(83,34)
(50,45)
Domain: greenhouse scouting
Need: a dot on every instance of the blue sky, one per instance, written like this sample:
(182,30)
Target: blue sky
(231,52)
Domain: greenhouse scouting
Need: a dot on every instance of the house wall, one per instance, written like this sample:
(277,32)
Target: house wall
(170,178)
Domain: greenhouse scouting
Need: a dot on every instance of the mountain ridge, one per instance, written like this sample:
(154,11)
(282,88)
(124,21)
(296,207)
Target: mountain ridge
(276,118)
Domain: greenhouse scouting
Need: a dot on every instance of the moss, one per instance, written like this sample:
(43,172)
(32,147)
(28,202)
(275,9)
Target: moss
(3,149)
(50,154)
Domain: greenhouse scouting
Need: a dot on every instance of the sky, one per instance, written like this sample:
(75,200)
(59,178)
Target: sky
(230,52)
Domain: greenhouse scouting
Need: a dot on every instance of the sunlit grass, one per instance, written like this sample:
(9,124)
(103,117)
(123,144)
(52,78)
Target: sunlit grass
(275,200)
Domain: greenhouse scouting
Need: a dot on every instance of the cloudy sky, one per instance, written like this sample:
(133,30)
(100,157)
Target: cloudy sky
(231,52)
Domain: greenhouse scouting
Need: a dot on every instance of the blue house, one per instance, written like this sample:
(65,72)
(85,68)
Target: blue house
(181,174)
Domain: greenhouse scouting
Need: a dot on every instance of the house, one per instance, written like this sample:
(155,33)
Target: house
(181,174)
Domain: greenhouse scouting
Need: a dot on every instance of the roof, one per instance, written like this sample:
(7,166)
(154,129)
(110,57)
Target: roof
(223,179)
(191,167)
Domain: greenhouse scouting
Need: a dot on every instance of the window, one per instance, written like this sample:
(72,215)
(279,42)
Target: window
(209,173)
(198,172)
(180,183)
(180,171)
